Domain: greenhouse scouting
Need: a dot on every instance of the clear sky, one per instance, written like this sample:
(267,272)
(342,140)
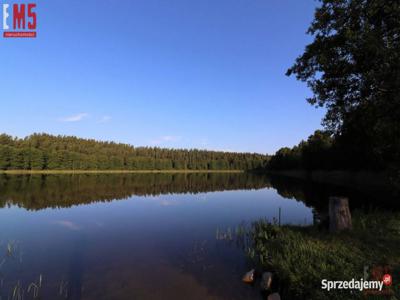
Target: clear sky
(177,73)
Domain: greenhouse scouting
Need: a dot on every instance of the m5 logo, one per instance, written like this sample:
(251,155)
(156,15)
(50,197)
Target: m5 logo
(22,19)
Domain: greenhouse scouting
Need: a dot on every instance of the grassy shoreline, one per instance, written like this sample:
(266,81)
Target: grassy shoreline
(18,172)
(300,257)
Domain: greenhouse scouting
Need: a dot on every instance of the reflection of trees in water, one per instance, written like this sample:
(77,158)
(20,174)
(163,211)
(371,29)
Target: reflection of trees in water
(313,195)
(317,195)
(42,191)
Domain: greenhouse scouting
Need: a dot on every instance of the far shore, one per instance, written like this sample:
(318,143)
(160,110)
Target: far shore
(362,180)
(112,171)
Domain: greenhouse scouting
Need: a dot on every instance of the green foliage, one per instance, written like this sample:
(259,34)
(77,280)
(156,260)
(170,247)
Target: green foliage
(303,256)
(354,59)
(47,152)
(315,153)
(6,155)
(353,68)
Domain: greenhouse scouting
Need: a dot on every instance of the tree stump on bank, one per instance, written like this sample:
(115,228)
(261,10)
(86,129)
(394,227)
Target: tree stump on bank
(339,214)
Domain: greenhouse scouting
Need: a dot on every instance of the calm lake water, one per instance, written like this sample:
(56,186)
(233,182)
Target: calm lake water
(138,236)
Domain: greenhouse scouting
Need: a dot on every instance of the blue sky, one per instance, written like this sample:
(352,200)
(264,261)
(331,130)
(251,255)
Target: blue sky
(182,74)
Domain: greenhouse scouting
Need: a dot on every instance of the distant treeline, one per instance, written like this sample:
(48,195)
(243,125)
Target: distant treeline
(324,151)
(48,152)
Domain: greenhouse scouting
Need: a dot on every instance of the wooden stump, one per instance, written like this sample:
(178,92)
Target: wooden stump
(339,214)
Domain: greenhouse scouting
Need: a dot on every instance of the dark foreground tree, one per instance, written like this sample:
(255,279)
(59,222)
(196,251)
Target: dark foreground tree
(353,68)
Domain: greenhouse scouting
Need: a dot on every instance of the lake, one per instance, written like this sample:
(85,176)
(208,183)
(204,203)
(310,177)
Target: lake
(140,236)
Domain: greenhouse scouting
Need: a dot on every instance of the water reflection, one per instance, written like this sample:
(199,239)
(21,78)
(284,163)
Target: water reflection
(317,195)
(42,191)
(34,192)
(138,236)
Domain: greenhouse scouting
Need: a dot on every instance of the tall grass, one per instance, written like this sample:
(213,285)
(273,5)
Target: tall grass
(300,257)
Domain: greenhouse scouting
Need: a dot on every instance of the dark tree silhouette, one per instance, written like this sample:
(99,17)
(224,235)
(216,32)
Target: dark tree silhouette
(353,68)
